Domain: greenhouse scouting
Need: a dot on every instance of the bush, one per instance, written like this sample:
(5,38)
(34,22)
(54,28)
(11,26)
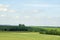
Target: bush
(50,32)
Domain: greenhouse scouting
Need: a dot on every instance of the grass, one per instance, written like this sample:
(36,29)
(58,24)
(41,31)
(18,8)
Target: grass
(26,36)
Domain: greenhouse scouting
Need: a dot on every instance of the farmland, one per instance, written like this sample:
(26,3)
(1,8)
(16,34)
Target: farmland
(26,36)
(22,32)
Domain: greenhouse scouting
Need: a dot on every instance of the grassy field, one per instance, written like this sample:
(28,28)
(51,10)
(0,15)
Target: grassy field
(26,36)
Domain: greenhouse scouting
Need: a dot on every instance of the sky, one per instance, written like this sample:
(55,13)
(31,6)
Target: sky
(30,12)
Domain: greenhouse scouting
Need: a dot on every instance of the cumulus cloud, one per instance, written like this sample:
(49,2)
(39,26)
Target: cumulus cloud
(5,8)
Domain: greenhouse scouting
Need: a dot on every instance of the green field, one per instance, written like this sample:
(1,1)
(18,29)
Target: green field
(26,36)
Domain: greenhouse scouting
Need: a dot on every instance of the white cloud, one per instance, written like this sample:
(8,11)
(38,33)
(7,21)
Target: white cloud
(5,8)
(27,17)
(2,15)
(17,17)
(12,10)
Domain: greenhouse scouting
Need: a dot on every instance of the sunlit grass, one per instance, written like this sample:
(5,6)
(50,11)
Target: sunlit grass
(26,36)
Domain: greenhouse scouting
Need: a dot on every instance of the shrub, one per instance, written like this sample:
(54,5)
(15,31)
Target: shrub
(50,32)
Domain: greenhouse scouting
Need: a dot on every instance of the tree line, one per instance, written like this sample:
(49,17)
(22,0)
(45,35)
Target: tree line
(22,27)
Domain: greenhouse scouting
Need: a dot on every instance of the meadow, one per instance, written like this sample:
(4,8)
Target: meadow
(27,36)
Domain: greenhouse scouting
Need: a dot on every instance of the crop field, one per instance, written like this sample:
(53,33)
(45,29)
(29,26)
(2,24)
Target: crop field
(26,36)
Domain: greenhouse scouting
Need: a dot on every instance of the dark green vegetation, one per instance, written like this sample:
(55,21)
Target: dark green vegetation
(20,27)
(40,29)
(51,31)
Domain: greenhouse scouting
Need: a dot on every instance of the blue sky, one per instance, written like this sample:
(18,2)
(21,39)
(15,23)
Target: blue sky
(30,12)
